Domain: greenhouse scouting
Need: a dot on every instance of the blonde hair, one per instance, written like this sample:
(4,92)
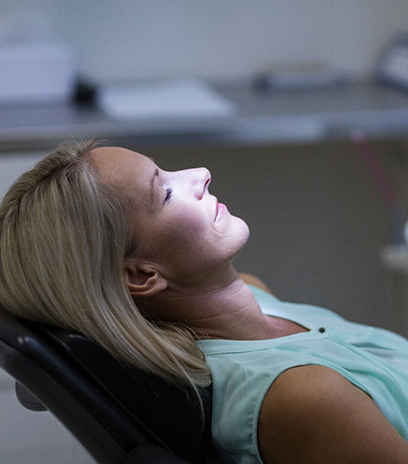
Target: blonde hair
(64,236)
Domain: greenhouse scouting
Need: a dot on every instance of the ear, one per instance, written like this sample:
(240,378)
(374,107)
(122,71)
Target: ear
(143,280)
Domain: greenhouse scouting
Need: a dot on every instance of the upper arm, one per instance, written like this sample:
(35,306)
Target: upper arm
(313,414)
(255,281)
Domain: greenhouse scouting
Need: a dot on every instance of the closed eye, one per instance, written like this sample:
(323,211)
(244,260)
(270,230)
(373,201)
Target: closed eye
(169,192)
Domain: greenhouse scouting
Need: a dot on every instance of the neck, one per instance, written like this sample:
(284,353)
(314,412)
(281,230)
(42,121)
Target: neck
(225,308)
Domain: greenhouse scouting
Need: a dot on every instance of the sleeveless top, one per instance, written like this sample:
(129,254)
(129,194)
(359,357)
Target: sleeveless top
(375,360)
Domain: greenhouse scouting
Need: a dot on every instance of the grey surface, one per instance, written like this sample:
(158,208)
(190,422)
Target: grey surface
(261,118)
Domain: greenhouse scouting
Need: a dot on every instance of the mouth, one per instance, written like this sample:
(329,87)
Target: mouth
(216,209)
(220,210)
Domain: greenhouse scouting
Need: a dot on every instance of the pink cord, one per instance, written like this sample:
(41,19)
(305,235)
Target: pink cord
(376,170)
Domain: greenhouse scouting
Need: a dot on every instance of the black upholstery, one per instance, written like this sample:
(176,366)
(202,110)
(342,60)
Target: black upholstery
(120,414)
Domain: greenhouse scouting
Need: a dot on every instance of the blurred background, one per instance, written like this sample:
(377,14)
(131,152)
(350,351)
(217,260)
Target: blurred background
(128,39)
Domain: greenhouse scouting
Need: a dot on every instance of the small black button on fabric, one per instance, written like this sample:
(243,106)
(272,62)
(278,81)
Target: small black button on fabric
(322,330)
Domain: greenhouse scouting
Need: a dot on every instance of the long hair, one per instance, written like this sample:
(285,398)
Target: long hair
(64,237)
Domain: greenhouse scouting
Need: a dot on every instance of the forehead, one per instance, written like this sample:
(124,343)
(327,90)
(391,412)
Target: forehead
(123,168)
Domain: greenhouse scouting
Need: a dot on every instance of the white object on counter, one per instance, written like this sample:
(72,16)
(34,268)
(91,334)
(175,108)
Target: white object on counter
(168,98)
(36,73)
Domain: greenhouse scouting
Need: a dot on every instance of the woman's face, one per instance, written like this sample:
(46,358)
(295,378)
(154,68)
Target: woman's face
(178,224)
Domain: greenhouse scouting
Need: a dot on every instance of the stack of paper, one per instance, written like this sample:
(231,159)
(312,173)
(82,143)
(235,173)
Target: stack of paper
(175,98)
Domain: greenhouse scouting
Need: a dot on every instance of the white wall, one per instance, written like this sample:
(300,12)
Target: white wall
(128,39)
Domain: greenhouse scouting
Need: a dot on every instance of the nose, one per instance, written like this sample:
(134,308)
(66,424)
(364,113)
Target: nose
(201,179)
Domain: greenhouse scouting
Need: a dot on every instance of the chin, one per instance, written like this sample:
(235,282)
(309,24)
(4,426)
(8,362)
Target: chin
(242,236)
(246,231)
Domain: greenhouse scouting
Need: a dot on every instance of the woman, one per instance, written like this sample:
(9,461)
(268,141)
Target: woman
(101,240)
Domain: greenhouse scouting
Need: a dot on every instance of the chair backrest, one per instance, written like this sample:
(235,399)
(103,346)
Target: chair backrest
(109,407)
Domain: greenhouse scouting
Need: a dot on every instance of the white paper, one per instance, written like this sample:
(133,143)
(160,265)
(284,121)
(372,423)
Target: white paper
(175,98)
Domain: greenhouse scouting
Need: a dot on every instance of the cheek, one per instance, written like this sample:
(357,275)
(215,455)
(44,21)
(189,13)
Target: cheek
(184,248)
(181,233)
(187,230)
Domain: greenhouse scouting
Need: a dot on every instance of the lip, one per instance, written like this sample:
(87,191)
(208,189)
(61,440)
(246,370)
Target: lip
(221,208)
(216,209)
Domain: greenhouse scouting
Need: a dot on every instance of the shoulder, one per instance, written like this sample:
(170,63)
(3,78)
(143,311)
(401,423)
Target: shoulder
(303,394)
(314,414)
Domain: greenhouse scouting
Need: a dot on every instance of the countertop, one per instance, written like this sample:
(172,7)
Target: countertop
(261,117)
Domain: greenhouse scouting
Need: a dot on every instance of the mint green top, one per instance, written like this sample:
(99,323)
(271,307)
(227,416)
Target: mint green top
(375,360)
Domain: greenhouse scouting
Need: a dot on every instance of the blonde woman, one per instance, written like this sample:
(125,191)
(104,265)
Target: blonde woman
(102,240)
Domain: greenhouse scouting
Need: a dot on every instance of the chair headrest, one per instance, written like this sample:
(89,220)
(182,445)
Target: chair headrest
(171,411)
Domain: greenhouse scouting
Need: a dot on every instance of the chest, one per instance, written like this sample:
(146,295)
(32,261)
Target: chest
(285,327)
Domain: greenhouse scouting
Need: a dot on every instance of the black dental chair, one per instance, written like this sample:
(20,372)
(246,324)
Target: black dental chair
(121,415)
